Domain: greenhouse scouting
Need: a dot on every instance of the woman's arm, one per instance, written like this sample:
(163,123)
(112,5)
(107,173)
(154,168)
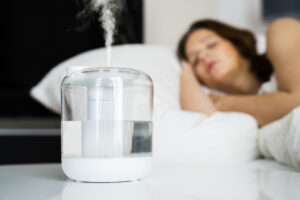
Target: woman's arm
(192,96)
(265,108)
(283,50)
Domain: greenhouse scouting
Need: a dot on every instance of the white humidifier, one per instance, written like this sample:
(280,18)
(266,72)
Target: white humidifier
(106,124)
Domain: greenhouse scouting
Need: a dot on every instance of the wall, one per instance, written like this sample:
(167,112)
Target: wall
(241,13)
(166,20)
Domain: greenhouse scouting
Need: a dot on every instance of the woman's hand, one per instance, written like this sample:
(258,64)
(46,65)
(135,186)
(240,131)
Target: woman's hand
(222,103)
(214,97)
(192,96)
(187,73)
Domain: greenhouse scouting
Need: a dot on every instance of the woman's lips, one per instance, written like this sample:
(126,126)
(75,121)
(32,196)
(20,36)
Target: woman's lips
(210,66)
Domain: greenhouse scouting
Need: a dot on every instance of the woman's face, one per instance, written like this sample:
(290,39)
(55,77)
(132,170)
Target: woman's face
(215,60)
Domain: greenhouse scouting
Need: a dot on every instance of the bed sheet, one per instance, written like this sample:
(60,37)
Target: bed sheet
(268,164)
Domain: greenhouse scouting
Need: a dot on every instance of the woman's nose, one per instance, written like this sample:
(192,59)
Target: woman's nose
(203,55)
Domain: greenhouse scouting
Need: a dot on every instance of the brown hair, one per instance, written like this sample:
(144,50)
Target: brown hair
(243,40)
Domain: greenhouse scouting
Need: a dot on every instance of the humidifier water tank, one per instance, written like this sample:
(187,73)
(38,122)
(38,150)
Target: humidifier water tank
(106,124)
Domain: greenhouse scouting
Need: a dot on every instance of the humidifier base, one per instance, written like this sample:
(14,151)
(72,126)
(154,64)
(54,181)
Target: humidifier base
(106,169)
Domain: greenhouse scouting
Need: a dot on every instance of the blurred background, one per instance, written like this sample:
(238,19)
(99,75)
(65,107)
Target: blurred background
(165,21)
(39,34)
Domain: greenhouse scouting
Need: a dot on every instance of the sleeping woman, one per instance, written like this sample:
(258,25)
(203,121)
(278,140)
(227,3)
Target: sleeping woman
(225,58)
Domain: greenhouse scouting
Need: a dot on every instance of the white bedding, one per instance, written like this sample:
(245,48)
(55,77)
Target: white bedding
(223,138)
(281,139)
(267,164)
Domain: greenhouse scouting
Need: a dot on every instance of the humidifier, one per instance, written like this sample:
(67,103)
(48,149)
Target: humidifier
(106,126)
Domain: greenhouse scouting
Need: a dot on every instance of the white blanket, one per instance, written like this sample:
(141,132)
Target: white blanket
(281,139)
(190,137)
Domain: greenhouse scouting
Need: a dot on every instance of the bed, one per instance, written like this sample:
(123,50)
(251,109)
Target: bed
(225,138)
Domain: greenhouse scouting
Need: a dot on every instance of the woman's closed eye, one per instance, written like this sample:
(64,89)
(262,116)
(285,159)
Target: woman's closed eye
(211,45)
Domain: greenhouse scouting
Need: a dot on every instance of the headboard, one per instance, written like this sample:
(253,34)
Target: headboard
(38,34)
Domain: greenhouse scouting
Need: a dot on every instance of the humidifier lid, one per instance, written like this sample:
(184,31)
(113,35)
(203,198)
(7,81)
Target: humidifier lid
(106,77)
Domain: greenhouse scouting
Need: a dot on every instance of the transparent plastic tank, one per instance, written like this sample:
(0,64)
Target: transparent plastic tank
(106,124)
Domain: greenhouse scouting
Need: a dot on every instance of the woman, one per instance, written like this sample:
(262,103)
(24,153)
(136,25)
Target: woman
(225,58)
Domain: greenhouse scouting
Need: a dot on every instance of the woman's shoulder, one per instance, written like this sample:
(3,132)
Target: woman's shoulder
(283,26)
(282,35)
(283,21)
(283,47)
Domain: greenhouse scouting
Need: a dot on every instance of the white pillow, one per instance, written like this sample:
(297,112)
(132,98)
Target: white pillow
(158,61)
(181,136)
(261,43)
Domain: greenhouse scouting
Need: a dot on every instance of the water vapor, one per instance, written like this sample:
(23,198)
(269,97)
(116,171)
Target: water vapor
(109,11)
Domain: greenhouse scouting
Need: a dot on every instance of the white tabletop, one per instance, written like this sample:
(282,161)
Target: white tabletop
(166,181)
